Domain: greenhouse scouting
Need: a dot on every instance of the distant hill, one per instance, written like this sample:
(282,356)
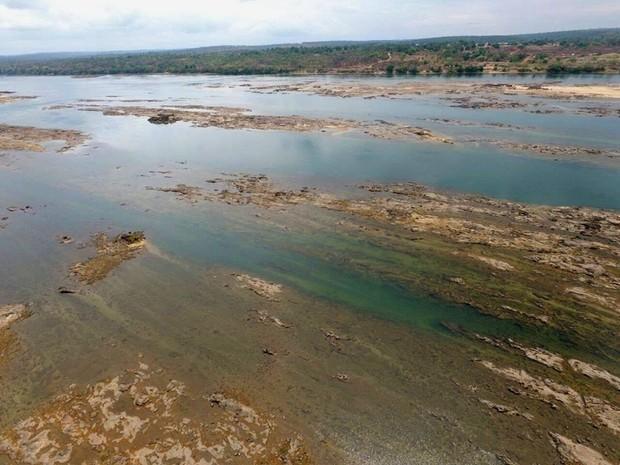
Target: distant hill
(586,51)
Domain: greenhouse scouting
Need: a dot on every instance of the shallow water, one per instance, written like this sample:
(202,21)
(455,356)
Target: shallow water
(101,187)
(316,158)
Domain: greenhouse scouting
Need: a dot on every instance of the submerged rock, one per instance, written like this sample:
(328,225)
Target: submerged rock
(183,191)
(259,286)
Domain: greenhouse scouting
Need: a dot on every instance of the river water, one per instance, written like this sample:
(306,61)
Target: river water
(101,187)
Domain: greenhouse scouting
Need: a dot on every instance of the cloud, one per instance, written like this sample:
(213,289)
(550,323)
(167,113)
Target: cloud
(21,4)
(55,25)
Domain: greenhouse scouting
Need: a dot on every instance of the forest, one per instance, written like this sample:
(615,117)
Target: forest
(590,51)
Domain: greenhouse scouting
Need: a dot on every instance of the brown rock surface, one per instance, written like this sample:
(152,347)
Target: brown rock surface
(31,139)
(144,417)
(110,254)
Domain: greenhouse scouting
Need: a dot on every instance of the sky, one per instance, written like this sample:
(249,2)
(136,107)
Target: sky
(29,26)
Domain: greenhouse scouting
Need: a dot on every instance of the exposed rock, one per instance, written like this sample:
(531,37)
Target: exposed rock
(64,239)
(143,417)
(353,89)
(542,318)
(506,410)
(480,97)
(539,355)
(605,413)
(606,91)
(110,254)
(564,151)
(545,389)
(594,372)
(163,118)
(584,294)
(234,118)
(493,262)
(66,290)
(258,190)
(597,410)
(31,139)
(573,453)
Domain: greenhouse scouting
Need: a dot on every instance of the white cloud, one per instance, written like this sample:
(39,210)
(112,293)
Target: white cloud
(53,25)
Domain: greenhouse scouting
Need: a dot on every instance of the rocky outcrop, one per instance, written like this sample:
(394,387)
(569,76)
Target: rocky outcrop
(111,252)
(31,139)
(540,355)
(573,453)
(594,372)
(235,118)
(597,410)
(163,118)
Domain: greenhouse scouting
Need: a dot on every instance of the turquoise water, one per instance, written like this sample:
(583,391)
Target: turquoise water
(314,261)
